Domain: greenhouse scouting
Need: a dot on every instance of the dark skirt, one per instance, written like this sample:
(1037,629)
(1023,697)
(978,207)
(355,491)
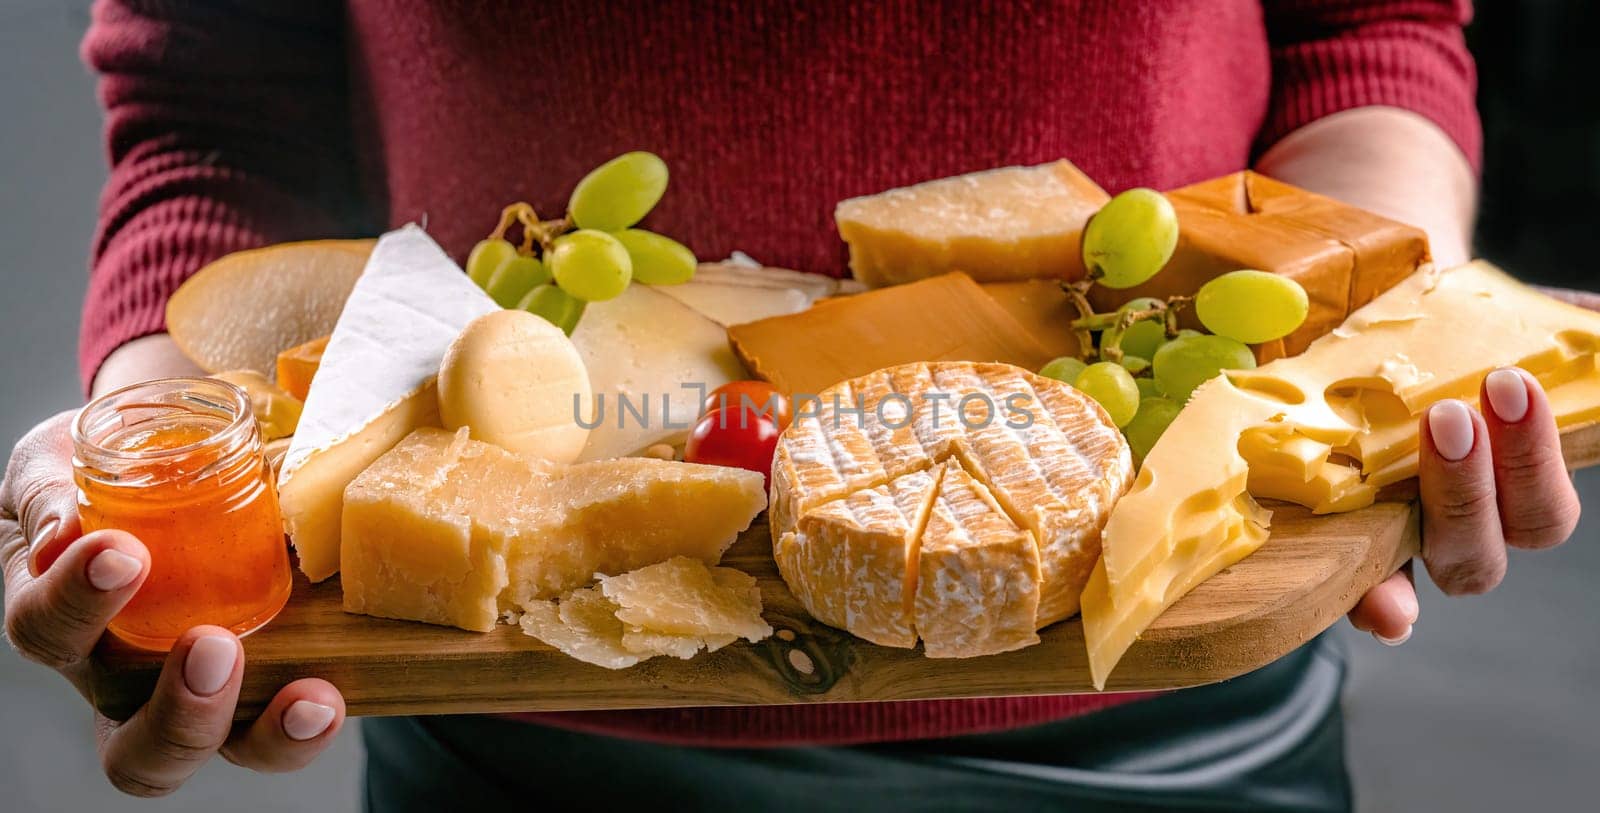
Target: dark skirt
(1270,740)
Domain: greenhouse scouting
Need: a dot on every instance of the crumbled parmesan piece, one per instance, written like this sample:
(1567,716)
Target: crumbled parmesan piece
(676,608)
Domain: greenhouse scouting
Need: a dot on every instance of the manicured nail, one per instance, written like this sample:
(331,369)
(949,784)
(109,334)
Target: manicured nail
(1409,608)
(304,719)
(1450,424)
(1405,636)
(1508,395)
(113,570)
(210,664)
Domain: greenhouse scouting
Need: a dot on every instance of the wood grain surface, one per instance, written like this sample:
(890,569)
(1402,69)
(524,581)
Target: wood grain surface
(1309,573)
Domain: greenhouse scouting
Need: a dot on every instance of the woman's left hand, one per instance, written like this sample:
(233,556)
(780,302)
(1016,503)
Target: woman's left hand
(1487,480)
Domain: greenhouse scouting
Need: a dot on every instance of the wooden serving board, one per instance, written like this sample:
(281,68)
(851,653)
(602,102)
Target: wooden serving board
(1309,573)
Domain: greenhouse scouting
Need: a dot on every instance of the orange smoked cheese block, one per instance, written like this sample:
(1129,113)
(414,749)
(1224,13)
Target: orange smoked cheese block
(946,318)
(1343,256)
(298,364)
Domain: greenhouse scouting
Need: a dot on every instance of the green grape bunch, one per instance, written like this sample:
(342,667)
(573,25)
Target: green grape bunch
(1136,362)
(590,255)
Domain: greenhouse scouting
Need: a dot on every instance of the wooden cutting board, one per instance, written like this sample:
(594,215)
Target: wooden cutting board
(1309,573)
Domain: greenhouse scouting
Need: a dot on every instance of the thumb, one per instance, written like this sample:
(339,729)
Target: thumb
(39,491)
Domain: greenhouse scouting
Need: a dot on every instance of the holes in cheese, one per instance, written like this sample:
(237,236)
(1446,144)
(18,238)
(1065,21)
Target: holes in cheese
(515,380)
(868,540)
(1435,335)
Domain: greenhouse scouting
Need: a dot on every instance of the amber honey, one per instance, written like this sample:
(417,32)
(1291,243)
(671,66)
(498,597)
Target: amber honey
(178,463)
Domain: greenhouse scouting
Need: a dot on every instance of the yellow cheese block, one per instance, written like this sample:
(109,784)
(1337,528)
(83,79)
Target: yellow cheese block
(449,530)
(954,502)
(409,554)
(1358,391)
(1002,224)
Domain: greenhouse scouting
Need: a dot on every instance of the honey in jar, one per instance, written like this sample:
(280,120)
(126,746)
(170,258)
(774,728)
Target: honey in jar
(178,463)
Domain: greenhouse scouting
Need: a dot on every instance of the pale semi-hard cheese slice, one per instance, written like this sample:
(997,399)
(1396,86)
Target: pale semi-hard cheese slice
(733,293)
(515,380)
(375,383)
(977,589)
(1001,224)
(651,361)
(1359,391)
(846,526)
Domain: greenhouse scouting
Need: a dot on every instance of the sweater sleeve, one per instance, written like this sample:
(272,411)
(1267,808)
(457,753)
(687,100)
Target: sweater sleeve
(227,126)
(1334,55)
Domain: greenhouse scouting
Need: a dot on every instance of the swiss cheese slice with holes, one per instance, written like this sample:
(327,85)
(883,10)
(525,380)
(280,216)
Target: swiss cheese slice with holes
(957,503)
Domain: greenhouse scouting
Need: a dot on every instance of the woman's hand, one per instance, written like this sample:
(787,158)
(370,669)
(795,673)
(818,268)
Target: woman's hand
(63,587)
(1487,481)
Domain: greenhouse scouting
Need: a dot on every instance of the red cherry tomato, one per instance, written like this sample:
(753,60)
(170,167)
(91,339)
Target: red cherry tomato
(743,439)
(757,395)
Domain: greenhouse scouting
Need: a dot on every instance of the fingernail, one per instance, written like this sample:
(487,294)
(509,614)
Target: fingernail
(1508,395)
(304,719)
(47,531)
(1405,636)
(1409,609)
(1450,425)
(113,570)
(210,664)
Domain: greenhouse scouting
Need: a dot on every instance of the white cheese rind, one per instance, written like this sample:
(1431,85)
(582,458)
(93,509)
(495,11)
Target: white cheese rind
(374,385)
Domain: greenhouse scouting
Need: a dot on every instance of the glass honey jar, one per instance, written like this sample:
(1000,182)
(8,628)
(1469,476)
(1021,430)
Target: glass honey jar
(179,464)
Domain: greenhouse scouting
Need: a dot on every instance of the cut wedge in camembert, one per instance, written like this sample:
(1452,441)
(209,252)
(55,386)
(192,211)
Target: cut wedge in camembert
(374,385)
(957,503)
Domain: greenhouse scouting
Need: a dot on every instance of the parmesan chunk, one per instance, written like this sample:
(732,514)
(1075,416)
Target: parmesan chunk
(449,530)
(1002,224)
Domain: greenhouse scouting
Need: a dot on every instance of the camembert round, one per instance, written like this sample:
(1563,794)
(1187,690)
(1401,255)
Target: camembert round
(953,502)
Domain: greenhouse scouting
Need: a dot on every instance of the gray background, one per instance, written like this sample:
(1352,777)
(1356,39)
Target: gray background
(1491,706)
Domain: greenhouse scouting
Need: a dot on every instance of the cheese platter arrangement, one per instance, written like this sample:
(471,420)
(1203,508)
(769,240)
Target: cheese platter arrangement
(1046,441)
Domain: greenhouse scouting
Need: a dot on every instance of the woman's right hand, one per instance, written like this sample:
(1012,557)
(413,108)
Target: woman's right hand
(61,589)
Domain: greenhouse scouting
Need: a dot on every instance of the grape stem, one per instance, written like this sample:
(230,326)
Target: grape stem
(1175,305)
(534,231)
(1078,292)
(1111,339)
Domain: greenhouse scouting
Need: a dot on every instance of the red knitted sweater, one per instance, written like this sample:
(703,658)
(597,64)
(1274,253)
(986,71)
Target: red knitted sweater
(234,124)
